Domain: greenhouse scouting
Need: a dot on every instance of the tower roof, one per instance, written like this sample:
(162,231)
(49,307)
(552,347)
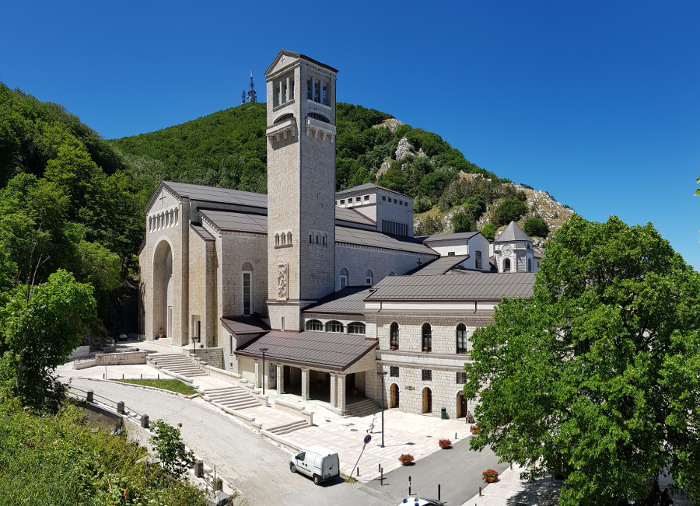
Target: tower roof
(293,54)
(512,233)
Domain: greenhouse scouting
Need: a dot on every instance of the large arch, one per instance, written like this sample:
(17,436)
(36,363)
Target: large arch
(163,289)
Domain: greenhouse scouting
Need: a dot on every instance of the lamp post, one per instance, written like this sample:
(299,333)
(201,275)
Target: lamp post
(381,374)
(263,350)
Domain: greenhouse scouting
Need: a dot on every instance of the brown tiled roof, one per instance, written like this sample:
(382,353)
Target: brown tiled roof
(455,286)
(323,350)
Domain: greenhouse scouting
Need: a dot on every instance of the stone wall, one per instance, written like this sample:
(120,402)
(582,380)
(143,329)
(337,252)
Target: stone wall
(212,356)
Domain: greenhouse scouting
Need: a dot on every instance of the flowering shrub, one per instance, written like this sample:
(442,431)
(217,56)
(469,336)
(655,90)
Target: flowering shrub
(490,475)
(406,459)
(445,443)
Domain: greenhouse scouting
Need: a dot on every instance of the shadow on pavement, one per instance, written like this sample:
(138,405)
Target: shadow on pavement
(543,492)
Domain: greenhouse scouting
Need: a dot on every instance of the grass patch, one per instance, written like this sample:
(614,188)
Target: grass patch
(173,385)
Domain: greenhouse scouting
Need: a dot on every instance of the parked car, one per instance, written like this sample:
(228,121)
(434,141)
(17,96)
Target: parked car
(316,462)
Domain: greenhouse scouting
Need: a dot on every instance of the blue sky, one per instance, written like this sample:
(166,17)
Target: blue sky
(597,102)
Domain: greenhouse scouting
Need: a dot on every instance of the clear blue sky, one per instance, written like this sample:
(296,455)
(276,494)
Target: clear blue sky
(597,102)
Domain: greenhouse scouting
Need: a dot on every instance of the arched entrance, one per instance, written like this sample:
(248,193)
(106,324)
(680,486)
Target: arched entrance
(394,401)
(163,289)
(461,405)
(427,400)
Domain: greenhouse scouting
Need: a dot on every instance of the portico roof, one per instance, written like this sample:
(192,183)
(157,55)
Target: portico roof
(318,350)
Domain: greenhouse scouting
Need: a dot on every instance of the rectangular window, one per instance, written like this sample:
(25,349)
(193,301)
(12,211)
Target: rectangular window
(284,92)
(358,199)
(309,87)
(291,89)
(393,371)
(450,253)
(383,197)
(342,202)
(461,378)
(324,93)
(426,374)
(366,197)
(478,259)
(230,343)
(247,294)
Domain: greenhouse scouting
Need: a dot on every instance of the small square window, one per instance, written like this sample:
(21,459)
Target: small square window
(406,204)
(358,199)
(461,378)
(426,374)
(394,201)
(342,202)
(393,371)
(450,253)
(366,197)
(383,197)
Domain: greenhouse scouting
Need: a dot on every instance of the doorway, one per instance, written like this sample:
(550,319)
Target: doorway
(394,402)
(427,400)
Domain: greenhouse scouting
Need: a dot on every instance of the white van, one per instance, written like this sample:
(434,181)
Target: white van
(317,462)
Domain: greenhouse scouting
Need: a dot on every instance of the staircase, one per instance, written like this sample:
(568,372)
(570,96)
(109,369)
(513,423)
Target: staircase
(289,427)
(362,408)
(177,363)
(233,397)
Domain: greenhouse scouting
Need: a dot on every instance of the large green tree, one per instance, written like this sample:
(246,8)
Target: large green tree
(596,377)
(39,327)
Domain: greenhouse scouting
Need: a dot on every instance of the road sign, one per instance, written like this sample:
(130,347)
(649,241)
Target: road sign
(368,438)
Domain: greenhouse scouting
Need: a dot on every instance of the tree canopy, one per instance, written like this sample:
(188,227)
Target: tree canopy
(596,377)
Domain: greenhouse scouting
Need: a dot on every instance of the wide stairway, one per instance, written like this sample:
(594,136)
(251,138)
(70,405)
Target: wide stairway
(177,363)
(233,397)
(362,408)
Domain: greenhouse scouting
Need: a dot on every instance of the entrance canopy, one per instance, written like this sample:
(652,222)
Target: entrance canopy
(317,350)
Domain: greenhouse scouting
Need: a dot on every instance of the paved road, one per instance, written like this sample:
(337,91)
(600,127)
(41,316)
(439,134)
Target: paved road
(457,470)
(243,458)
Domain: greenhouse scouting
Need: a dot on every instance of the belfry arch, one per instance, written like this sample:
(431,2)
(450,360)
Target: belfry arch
(163,289)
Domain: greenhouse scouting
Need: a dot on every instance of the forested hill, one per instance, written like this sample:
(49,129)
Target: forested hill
(228,149)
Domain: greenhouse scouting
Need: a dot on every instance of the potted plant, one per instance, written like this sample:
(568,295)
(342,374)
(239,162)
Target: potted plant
(474,429)
(406,459)
(445,443)
(490,475)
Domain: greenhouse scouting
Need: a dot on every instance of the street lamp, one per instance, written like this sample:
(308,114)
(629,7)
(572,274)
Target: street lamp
(263,350)
(381,374)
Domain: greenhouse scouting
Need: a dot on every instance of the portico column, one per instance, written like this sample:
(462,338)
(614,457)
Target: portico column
(257,374)
(341,393)
(334,391)
(305,381)
(280,378)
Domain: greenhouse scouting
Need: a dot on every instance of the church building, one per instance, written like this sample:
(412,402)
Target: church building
(331,287)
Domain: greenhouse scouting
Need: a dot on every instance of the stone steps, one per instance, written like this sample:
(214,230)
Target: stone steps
(362,408)
(232,397)
(288,427)
(176,363)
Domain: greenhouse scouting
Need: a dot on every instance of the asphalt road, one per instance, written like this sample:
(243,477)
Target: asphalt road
(260,470)
(457,470)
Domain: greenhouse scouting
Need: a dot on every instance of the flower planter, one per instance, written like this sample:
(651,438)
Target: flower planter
(490,476)
(406,459)
(445,444)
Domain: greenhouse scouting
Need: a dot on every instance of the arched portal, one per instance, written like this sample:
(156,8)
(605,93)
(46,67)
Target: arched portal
(163,289)
(427,400)
(394,401)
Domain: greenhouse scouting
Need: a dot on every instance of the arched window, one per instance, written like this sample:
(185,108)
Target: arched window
(394,336)
(426,337)
(314,325)
(283,239)
(334,326)
(289,238)
(461,338)
(247,287)
(506,265)
(369,279)
(343,278)
(318,239)
(311,238)
(325,239)
(356,328)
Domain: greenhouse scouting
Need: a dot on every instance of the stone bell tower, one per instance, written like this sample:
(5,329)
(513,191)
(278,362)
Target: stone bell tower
(300,185)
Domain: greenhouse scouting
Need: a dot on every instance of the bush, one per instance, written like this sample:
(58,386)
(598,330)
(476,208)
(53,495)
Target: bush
(174,458)
(510,210)
(489,231)
(462,223)
(536,227)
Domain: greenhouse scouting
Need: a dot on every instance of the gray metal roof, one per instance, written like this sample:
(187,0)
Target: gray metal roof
(323,350)
(368,187)
(245,325)
(348,300)
(239,222)
(202,232)
(512,233)
(455,286)
(450,237)
(219,195)
(353,216)
(440,265)
(378,240)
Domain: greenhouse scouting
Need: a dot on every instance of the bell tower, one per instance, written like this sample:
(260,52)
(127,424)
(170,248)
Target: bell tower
(300,185)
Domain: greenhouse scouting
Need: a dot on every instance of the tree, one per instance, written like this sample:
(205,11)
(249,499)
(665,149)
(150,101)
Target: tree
(510,210)
(174,458)
(39,327)
(536,227)
(462,223)
(596,375)
(489,231)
